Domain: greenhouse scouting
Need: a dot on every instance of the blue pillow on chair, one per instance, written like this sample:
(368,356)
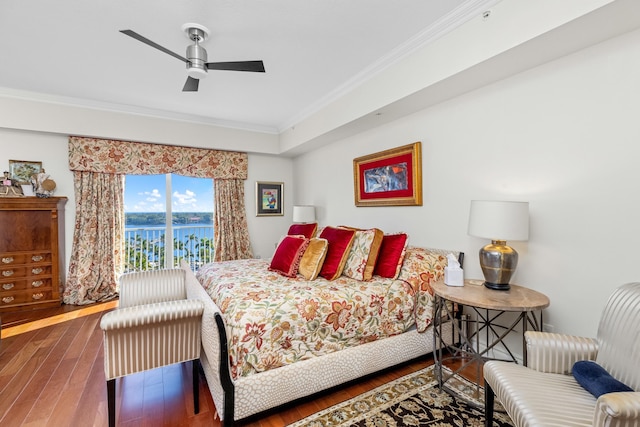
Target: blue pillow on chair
(595,379)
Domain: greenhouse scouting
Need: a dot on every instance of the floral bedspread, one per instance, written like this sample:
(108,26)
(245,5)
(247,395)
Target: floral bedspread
(273,320)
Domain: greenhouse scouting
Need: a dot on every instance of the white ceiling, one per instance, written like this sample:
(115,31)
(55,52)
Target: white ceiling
(71,51)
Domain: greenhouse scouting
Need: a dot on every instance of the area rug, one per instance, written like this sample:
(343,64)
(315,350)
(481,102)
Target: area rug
(413,400)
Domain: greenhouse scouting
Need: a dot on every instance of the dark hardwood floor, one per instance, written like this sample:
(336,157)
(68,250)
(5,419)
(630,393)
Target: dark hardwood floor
(51,374)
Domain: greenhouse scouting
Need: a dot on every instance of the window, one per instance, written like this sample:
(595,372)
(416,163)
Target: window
(167,211)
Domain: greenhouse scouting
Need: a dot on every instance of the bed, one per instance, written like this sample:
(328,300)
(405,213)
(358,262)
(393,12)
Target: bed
(269,339)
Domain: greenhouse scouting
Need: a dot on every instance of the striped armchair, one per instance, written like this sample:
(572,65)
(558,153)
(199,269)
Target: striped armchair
(155,325)
(546,394)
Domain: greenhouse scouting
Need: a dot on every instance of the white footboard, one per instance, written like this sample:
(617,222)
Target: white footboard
(210,338)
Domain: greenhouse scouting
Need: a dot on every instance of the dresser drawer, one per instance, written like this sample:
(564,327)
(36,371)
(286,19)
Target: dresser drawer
(23,297)
(24,271)
(18,271)
(10,259)
(22,284)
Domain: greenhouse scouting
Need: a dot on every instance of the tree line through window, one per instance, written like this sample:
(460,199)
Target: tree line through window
(167,211)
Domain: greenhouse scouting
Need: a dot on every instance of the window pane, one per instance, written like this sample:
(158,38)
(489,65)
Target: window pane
(192,211)
(189,228)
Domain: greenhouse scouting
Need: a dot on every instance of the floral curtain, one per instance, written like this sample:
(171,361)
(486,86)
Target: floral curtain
(99,167)
(230,231)
(98,238)
(136,158)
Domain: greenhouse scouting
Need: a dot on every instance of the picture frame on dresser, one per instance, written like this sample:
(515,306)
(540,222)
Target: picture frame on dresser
(23,170)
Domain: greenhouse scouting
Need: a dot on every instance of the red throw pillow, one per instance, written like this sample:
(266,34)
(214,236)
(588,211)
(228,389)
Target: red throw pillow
(287,257)
(340,241)
(391,255)
(306,230)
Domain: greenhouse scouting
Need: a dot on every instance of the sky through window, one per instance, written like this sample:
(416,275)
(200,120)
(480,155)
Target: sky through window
(147,193)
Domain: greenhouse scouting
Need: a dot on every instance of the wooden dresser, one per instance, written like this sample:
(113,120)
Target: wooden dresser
(31,252)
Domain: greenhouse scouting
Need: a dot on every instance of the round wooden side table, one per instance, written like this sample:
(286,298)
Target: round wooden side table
(489,328)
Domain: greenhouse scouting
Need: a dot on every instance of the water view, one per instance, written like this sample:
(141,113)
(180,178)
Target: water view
(146,239)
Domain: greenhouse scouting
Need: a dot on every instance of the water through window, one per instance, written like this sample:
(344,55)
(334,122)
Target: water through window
(167,211)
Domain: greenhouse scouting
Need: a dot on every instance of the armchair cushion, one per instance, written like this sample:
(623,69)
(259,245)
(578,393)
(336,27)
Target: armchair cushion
(556,353)
(150,336)
(595,379)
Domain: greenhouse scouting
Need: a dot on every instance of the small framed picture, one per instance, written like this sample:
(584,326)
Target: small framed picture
(269,198)
(22,170)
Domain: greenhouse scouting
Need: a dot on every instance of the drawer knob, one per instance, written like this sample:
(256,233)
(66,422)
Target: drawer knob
(7,260)
(37,270)
(37,258)
(7,273)
(37,283)
(7,300)
(7,286)
(37,296)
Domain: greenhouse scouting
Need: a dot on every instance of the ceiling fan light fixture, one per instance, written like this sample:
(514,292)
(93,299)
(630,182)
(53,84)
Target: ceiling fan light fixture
(196,73)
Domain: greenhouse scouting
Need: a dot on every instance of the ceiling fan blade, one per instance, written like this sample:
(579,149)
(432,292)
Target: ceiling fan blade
(191,85)
(254,66)
(145,40)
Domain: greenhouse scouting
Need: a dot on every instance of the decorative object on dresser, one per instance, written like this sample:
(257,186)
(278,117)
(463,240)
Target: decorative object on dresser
(10,187)
(269,198)
(499,221)
(31,252)
(43,184)
(389,178)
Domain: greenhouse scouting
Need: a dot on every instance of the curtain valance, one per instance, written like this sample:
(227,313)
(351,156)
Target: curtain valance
(137,158)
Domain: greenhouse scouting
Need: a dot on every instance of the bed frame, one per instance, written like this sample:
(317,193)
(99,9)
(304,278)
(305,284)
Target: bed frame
(247,396)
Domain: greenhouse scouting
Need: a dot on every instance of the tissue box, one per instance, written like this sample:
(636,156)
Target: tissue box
(453,276)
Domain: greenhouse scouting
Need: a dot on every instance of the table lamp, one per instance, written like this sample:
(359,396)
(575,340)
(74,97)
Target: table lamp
(499,221)
(304,214)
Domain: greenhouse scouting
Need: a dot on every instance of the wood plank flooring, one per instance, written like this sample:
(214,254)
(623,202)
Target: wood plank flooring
(52,374)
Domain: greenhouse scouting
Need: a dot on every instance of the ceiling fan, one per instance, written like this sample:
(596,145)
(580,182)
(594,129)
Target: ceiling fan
(196,57)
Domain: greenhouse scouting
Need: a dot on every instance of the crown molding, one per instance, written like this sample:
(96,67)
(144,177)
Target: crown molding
(463,13)
(130,109)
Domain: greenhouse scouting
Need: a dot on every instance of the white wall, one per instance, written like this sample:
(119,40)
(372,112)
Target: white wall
(52,150)
(266,231)
(563,136)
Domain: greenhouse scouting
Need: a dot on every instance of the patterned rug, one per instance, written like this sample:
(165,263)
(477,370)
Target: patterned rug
(413,400)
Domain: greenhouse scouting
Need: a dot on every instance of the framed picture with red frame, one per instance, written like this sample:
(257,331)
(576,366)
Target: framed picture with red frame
(389,178)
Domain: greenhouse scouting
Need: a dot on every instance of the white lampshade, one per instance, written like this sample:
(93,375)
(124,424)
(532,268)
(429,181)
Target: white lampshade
(304,214)
(499,220)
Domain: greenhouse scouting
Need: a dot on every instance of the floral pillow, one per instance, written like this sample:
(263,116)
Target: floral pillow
(363,254)
(420,268)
